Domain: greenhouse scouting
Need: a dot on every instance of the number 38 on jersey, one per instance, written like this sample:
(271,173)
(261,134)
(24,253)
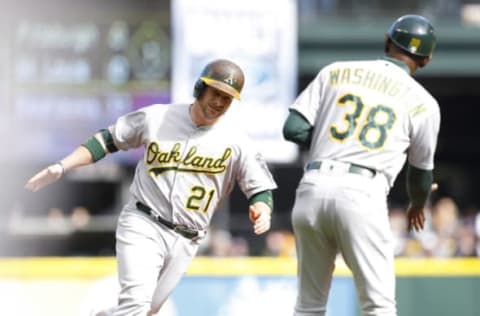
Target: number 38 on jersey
(371,129)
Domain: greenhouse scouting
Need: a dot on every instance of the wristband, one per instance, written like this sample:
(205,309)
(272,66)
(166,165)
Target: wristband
(60,163)
(265,197)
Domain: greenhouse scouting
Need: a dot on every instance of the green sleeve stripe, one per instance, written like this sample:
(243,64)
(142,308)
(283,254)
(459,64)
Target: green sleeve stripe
(108,139)
(265,196)
(95,148)
(419,184)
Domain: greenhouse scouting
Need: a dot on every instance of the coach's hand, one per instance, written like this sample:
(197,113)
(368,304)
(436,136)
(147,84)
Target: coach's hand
(260,216)
(416,215)
(415,218)
(48,175)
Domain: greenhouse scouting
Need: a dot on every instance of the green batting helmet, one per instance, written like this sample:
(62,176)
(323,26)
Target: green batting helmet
(222,75)
(414,34)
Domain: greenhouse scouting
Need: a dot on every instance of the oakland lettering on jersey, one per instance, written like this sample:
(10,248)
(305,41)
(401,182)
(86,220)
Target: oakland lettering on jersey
(192,162)
(155,154)
(197,161)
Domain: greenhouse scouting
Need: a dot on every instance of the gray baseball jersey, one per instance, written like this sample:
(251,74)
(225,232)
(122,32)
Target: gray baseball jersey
(185,173)
(187,170)
(381,114)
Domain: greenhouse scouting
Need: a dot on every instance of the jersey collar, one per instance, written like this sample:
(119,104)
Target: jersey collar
(397,62)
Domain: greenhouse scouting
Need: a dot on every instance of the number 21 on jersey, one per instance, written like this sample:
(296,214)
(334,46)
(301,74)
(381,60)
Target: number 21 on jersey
(199,199)
(372,132)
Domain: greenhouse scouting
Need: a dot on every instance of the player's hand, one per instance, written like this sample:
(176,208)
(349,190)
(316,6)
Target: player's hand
(45,177)
(260,216)
(415,218)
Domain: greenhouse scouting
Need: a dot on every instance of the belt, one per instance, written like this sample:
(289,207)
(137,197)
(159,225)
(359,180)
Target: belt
(352,168)
(180,229)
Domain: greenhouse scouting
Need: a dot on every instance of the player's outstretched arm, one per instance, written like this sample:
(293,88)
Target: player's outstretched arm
(79,157)
(94,149)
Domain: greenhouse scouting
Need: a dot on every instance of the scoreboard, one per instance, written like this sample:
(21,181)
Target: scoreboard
(72,72)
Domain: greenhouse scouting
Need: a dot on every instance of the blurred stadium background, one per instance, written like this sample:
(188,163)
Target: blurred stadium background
(69,68)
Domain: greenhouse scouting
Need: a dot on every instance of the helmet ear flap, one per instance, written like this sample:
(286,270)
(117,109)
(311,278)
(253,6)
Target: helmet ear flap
(198,88)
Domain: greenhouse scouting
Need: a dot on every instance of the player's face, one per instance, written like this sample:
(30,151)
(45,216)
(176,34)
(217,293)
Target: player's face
(213,103)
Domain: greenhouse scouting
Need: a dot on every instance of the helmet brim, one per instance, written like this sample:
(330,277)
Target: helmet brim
(222,86)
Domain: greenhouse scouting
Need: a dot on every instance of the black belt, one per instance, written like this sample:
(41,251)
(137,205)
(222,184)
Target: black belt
(353,168)
(180,229)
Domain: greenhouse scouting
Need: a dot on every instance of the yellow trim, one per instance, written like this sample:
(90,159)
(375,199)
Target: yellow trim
(223,86)
(97,267)
(57,268)
(423,267)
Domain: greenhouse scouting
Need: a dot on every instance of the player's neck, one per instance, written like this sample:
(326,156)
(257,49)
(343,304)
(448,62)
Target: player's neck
(412,66)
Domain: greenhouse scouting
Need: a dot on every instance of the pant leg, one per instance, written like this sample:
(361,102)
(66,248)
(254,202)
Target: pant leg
(316,251)
(366,243)
(180,256)
(141,251)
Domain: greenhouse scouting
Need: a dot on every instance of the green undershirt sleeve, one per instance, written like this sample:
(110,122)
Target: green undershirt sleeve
(419,184)
(264,196)
(297,129)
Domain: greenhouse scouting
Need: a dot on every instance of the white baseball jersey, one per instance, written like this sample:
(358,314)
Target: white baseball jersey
(187,170)
(381,113)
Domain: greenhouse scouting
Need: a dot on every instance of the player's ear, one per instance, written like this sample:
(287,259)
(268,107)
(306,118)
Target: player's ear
(198,88)
(424,61)
(387,43)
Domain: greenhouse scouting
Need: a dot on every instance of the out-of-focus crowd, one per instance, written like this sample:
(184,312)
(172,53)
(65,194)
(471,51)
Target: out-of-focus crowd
(220,243)
(447,233)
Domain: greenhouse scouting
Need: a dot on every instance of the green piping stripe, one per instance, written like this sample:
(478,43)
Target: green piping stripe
(108,139)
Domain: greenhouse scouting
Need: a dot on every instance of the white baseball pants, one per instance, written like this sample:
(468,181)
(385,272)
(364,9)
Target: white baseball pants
(151,260)
(344,213)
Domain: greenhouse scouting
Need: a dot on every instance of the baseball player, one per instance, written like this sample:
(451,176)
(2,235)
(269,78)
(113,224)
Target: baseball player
(361,121)
(193,158)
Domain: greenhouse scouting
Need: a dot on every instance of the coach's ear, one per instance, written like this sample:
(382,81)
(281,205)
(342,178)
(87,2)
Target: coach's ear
(424,61)
(387,44)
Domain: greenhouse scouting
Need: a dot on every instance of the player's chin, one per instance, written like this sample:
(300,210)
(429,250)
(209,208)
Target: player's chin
(216,111)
